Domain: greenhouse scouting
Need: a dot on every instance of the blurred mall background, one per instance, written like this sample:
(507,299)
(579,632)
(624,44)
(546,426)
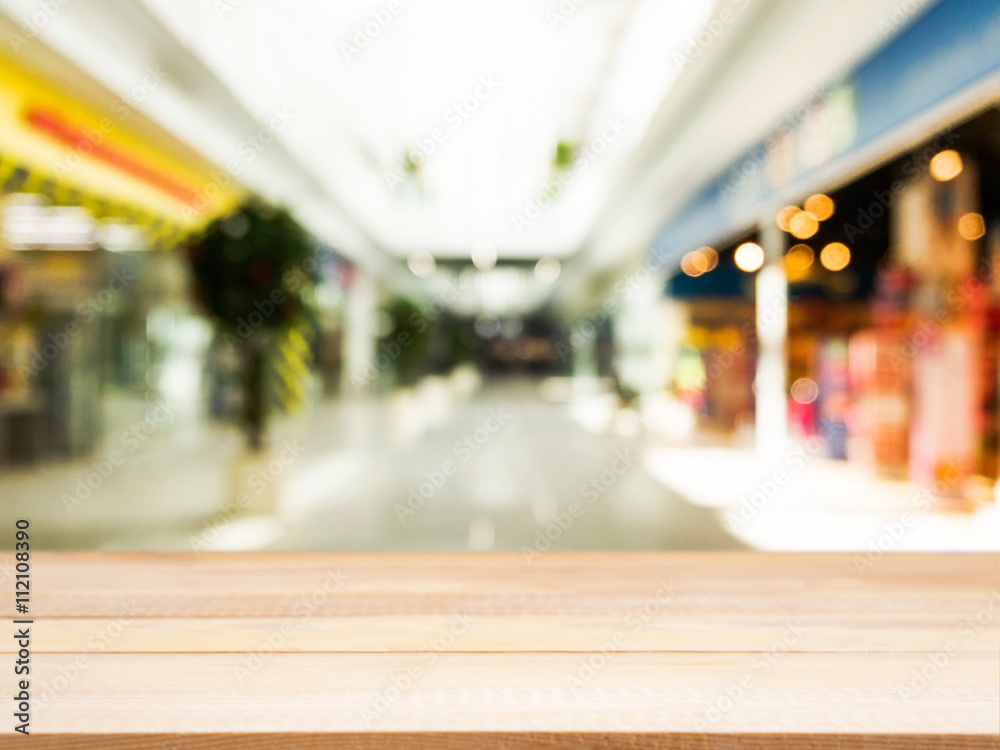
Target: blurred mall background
(521,275)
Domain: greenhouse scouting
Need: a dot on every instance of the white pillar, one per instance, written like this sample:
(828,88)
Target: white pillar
(636,331)
(771,421)
(360,337)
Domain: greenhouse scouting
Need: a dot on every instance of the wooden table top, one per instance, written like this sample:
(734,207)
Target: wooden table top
(469,650)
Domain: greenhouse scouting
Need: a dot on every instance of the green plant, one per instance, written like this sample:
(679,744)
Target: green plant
(411,331)
(564,155)
(254,270)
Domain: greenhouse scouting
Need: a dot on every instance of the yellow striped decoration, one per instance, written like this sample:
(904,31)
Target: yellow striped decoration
(292,366)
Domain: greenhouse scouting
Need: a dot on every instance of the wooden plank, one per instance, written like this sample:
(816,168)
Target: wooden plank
(247,585)
(667,631)
(647,692)
(639,650)
(501,741)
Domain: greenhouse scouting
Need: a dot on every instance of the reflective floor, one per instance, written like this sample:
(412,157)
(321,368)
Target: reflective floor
(444,466)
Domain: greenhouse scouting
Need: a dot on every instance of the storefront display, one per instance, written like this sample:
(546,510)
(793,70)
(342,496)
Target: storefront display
(878,423)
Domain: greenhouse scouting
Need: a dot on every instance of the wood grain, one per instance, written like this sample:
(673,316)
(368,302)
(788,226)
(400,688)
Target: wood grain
(678,631)
(594,650)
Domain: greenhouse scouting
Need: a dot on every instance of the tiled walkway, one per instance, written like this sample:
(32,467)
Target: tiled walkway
(514,466)
(425,469)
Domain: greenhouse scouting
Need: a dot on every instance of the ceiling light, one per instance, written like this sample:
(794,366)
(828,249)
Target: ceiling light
(972,226)
(798,261)
(690,265)
(711,258)
(800,257)
(803,225)
(700,261)
(422,265)
(820,206)
(547,270)
(946,165)
(784,218)
(835,256)
(484,256)
(749,257)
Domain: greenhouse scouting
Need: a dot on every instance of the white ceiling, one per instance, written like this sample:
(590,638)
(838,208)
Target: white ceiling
(562,68)
(772,57)
(502,82)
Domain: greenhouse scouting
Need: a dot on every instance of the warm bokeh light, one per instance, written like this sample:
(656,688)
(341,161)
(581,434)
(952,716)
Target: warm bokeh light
(547,270)
(700,261)
(326,241)
(749,257)
(800,257)
(946,165)
(422,265)
(710,257)
(805,391)
(835,256)
(820,206)
(692,264)
(784,218)
(972,226)
(798,261)
(803,225)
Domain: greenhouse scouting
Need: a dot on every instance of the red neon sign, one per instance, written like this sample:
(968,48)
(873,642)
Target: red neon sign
(80,140)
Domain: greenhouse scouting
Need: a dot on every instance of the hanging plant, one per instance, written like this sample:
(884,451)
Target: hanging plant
(564,156)
(254,270)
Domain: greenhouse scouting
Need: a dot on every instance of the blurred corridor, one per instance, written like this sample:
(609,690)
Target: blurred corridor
(654,274)
(433,470)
